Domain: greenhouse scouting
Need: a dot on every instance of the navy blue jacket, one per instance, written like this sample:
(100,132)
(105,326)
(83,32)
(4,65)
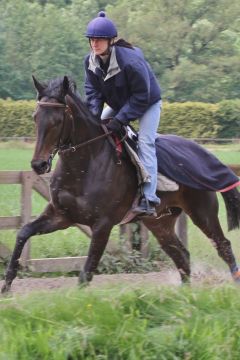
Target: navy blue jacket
(130,86)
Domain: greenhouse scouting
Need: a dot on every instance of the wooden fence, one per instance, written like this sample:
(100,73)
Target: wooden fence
(30,181)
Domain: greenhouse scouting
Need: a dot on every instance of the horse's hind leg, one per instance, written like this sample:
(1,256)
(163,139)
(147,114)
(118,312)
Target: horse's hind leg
(47,222)
(164,230)
(205,216)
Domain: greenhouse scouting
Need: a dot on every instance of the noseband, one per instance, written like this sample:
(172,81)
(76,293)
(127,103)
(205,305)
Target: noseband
(49,104)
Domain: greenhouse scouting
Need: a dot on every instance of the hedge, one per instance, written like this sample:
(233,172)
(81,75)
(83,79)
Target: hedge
(189,119)
(228,118)
(16,118)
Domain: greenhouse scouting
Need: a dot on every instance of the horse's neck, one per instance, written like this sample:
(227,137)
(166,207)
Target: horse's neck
(85,126)
(78,132)
(84,130)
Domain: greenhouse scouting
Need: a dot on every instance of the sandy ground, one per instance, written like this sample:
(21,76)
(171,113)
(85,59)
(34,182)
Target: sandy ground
(166,277)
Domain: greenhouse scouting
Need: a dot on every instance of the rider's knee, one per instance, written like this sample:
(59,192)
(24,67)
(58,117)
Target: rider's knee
(146,140)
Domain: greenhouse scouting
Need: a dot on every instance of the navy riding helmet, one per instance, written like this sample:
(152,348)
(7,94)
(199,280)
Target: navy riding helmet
(101,27)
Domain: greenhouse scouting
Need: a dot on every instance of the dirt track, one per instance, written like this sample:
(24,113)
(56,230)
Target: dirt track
(166,277)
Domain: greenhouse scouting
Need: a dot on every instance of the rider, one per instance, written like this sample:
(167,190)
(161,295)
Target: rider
(117,74)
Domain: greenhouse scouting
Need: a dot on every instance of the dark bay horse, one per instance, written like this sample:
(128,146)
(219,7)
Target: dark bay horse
(89,187)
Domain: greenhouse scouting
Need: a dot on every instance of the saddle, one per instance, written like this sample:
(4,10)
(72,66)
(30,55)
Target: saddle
(129,143)
(131,146)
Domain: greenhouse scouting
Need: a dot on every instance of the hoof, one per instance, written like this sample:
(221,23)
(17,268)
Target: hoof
(85,278)
(186,282)
(236,276)
(5,288)
(185,277)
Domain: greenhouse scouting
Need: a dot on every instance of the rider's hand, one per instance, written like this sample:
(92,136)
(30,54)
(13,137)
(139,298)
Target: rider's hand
(116,127)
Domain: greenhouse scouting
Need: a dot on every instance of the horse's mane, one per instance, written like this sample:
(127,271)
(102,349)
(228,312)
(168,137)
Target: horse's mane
(83,109)
(54,88)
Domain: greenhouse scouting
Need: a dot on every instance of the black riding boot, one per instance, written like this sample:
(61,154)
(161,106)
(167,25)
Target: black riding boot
(145,207)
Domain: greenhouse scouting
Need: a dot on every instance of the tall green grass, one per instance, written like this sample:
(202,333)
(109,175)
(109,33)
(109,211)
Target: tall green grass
(122,324)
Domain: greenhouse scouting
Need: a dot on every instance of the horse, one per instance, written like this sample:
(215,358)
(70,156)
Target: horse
(90,187)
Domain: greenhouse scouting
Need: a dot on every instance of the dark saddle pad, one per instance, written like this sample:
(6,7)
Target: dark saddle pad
(190,164)
(187,163)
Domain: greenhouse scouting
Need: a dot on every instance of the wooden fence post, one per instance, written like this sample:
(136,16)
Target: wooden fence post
(26,210)
(125,234)
(144,240)
(136,235)
(5,252)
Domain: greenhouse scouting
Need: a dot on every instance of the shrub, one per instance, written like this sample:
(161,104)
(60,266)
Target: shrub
(15,118)
(131,261)
(189,119)
(228,118)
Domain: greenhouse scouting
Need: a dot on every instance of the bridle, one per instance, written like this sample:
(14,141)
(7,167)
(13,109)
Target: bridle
(72,149)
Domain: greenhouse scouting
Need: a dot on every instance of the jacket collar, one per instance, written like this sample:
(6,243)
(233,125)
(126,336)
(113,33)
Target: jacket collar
(113,68)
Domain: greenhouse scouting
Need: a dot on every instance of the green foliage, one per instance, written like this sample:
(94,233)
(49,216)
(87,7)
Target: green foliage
(228,117)
(189,119)
(59,3)
(127,261)
(47,41)
(193,45)
(120,323)
(15,119)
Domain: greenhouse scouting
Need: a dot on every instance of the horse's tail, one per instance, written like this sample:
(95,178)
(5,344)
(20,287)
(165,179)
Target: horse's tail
(232,203)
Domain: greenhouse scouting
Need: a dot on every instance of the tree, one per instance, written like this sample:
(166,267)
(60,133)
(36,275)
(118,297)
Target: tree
(191,44)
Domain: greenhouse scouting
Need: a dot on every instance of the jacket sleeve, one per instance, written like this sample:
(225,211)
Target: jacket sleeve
(94,98)
(139,84)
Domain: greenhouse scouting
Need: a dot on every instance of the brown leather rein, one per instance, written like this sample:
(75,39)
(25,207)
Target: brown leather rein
(75,147)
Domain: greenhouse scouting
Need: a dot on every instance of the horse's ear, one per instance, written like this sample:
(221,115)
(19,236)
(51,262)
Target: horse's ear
(71,103)
(65,84)
(38,86)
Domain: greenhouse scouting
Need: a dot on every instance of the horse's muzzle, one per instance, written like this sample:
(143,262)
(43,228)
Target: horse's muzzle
(41,166)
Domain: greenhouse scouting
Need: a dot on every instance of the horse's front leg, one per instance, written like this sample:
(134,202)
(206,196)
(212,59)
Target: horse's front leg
(100,236)
(47,222)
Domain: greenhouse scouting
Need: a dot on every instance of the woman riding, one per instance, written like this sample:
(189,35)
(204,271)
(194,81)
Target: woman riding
(117,74)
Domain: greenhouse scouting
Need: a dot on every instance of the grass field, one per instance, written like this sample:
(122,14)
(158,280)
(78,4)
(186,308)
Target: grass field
(71,242)
(122,324)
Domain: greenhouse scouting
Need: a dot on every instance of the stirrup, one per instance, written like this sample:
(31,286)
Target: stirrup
(145,207)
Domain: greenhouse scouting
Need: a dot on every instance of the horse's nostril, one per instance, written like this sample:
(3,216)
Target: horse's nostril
(39,166)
